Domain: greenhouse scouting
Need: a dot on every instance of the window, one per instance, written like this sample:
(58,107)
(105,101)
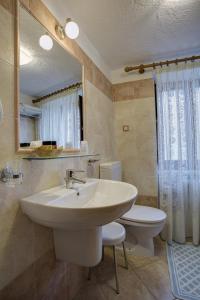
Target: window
(173,109)
(181,116)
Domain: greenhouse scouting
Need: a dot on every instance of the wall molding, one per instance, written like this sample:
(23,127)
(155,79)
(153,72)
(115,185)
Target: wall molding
(133,90)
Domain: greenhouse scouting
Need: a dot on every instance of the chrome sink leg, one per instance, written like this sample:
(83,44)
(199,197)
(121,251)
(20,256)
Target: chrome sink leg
(116,275)
(125,256)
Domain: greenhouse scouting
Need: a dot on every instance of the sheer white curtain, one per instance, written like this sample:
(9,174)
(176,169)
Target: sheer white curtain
(60,120)
(178,124)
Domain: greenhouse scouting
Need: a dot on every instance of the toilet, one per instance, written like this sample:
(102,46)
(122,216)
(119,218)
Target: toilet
(142,223)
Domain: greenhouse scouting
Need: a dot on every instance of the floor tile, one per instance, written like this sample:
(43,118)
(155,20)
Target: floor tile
(131,287)
(156,278)
(90,292)
(146,279)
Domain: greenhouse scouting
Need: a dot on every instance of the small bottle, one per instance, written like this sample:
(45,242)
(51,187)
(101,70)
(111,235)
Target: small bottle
(84,147)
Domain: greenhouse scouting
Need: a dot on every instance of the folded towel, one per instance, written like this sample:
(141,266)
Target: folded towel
(36,144)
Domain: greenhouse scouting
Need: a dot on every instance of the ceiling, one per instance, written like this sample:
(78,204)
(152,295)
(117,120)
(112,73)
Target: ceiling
(135,31)
(49,70)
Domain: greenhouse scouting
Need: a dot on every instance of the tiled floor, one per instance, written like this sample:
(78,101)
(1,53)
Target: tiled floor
(146,279)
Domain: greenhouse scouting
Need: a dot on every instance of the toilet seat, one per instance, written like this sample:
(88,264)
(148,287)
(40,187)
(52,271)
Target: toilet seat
(144,214)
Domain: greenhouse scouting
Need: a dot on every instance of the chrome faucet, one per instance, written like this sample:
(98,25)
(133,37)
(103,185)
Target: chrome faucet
(70,178)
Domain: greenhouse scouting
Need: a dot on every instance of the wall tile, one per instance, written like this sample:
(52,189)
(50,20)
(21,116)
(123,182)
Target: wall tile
(133,90)
(6,32)
(100,115)
(137,147)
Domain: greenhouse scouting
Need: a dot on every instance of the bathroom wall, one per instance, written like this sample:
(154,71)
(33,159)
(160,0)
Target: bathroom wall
(28,269)
(100,114)
(134,105)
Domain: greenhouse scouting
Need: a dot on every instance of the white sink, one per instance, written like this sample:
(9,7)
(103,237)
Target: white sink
(76,216)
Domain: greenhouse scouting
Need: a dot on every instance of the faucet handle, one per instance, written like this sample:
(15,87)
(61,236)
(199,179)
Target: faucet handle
(71,171)
(74,170)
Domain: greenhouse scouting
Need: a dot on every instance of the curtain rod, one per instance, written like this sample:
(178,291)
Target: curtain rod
(142,67)
(68,88)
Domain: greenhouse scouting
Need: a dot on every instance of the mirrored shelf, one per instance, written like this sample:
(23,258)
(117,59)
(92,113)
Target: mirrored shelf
(61,156)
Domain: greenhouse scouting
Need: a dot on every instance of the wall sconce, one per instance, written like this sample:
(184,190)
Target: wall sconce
(71,29)
(46,42)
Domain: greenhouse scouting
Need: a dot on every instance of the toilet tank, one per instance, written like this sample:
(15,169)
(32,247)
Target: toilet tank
(111,170)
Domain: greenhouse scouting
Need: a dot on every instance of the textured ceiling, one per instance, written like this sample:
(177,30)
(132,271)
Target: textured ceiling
(135,31)
(49,70)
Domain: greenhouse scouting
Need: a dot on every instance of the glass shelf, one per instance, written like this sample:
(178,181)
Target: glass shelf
(60,157)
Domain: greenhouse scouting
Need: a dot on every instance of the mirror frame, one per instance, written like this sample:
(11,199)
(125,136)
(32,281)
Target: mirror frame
(19,150)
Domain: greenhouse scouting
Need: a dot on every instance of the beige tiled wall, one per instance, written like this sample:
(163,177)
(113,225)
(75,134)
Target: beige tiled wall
(27,259)
(133,90)
(137,147)
(99,113)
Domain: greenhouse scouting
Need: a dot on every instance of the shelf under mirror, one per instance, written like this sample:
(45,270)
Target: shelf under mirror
(61,156)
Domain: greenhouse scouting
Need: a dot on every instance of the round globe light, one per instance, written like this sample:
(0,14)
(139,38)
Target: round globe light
(71,29)
(46,42)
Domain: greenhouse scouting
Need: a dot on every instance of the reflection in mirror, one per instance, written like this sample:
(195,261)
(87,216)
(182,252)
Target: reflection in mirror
(50,95)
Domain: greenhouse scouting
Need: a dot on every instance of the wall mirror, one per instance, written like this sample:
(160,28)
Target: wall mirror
(50,94)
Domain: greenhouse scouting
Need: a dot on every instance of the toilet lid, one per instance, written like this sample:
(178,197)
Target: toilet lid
(144,214)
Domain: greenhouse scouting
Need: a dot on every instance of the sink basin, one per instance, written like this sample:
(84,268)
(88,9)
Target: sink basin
(76,216)
(92,204)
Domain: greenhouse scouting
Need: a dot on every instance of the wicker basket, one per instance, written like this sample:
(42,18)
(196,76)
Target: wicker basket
(44,152)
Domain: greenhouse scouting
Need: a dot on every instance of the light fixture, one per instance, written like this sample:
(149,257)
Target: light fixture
(25,58)
(71,29)
(46,42)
